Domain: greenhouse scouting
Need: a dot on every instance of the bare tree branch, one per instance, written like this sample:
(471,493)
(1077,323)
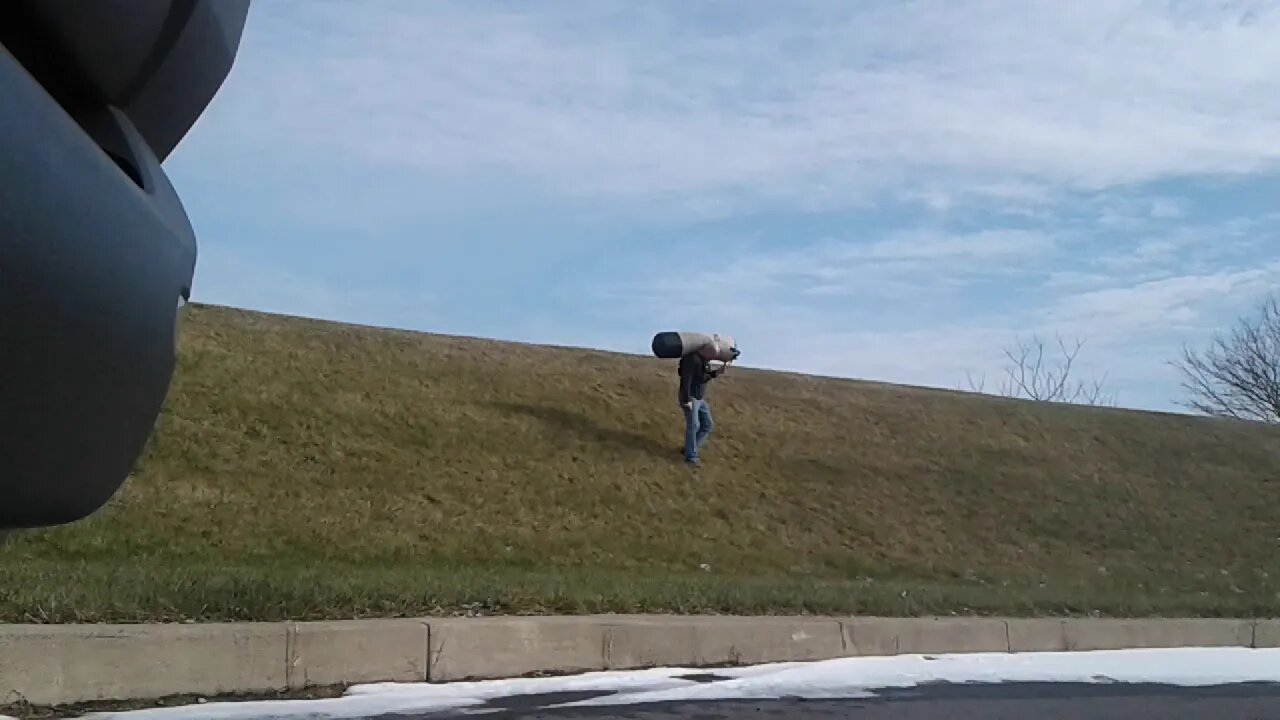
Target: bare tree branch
(1238,375)
(979,385)
(1030,376)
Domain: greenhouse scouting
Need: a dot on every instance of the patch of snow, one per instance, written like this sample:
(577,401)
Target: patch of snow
(861,677)
(841,678)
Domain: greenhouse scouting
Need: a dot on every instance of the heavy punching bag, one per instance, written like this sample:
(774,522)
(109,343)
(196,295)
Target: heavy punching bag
(673,345)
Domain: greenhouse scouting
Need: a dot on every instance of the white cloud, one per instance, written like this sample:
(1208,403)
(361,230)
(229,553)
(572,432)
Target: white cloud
(1165,208)
(1197,247)
(904,264)
(1164,305)
(823,104)
(1063,280)
(1127,212)
(981,245)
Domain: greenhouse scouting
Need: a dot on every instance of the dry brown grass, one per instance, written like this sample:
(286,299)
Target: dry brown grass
(308,469)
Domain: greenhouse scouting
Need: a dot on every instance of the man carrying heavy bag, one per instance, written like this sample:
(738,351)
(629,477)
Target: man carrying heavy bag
(696,353)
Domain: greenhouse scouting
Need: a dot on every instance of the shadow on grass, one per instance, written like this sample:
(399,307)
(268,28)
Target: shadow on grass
(570,422)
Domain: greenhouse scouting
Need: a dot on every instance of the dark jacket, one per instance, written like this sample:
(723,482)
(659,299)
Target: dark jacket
(695,373)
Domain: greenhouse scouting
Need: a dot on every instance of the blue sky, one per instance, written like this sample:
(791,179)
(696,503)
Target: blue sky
(884,190)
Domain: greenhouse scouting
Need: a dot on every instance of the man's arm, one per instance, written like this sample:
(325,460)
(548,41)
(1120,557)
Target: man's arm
(714,372)
(687,368)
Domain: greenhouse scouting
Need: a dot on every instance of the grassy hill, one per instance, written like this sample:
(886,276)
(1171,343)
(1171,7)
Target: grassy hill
(305,469)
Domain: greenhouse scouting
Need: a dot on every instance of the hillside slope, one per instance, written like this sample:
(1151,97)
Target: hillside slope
(309,469)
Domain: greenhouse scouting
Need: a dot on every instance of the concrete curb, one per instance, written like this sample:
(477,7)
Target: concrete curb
(59,664)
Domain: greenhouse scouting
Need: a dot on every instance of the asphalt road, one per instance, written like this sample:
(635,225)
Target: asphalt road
(1050,701)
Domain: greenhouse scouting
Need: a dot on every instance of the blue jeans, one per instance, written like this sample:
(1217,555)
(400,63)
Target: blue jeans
(697,426)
